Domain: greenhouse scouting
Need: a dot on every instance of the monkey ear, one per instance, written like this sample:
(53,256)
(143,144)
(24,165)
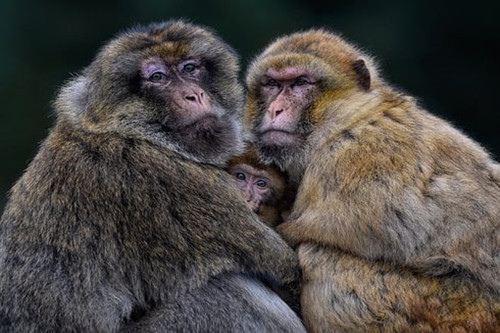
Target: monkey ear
(73,97)
(362,74)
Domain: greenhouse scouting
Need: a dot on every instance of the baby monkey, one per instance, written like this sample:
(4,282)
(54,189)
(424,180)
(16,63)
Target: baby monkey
(266,189)
(269,193)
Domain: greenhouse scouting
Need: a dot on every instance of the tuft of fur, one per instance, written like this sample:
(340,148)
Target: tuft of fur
(399,192)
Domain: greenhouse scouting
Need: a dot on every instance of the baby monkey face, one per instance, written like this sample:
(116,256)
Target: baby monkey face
(256,185)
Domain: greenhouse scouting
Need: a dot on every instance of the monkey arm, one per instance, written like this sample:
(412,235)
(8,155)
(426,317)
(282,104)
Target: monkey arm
(350,293)
(431,213)
(82,232)
(253,308)
(231,228)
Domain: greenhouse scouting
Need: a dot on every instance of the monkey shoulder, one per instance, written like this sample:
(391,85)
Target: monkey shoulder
(398,142)
(408,173)
(372,150)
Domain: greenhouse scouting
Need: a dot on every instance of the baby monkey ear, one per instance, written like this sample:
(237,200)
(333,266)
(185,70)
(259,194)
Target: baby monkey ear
(362,74)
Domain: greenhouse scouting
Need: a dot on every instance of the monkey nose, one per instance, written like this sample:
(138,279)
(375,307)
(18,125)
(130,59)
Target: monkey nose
(195,97)
(196,100)
(276,113)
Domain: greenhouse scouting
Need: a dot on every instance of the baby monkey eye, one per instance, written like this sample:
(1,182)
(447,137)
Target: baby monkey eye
(157,76)
(240,175)
(261,183)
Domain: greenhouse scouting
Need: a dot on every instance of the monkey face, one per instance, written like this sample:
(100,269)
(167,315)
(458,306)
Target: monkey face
(283,122)
(179,86)
(287,93)
(258,186)
(264,187)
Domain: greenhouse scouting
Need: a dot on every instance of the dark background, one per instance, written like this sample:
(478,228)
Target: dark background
(441,53)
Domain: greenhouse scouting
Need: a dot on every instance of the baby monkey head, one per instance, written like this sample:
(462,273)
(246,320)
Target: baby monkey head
(174,84)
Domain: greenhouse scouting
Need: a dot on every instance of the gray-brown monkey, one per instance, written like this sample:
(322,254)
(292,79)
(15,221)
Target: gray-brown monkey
(124,219)
(397,213)
(266,189)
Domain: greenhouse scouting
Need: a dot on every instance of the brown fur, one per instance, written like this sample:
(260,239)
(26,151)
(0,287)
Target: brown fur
(397,214)
(117,226)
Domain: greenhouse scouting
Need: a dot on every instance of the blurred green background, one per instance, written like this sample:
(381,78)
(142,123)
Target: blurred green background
(442,52)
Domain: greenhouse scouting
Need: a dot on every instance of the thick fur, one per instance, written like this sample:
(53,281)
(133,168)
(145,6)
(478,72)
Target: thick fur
(397,214)
(346,293)
(114,226)
(254,308)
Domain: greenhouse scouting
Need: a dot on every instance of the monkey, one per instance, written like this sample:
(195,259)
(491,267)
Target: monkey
(124,220)
(265,187)
(396,218)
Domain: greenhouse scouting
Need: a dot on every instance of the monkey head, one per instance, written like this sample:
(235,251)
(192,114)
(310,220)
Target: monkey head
(174,84)
(293,84)
(258,186)
(264,187)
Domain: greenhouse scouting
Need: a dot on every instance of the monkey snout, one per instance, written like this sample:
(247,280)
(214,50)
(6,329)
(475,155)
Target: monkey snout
(197,97)
(196,100)
(275,113)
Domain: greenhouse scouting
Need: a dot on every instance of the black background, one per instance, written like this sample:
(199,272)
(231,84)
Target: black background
(441,52)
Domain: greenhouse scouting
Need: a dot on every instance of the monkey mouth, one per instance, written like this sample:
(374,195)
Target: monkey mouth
(197,125)
(204,123)
(201,126)
(280,137)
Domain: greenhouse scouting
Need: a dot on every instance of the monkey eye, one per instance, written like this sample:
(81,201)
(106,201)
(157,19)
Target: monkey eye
(301,81)
(272,83)
(189,68)
(261,183)
(240,175)
(157,76)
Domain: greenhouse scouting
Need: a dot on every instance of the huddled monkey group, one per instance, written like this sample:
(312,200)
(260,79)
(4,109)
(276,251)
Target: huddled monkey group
(168,197)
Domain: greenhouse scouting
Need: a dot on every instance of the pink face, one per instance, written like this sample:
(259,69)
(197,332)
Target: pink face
(287,93)
(256,185)
(179,84)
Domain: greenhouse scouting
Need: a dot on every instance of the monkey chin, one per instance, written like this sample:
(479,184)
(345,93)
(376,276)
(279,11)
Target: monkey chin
(204,124)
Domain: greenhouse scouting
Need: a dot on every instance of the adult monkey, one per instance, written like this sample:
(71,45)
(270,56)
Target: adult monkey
(397,213)
(123,221)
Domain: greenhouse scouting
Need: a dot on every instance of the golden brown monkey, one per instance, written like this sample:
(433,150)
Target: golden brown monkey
(266,189)
(124,220)
(397,213)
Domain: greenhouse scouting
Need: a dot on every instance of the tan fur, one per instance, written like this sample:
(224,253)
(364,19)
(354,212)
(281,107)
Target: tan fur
(404,208)
(344,293)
